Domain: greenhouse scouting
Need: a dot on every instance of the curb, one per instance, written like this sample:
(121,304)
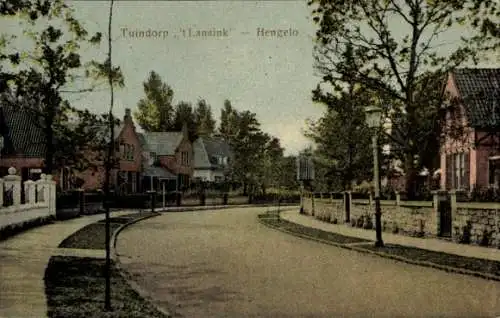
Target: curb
(389,256)
(220,207)
(125,275)
(12,230)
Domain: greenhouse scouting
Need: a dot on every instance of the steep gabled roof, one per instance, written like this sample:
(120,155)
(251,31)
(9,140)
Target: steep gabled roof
(22,137)
(207,149)
(163,143)
(479,89)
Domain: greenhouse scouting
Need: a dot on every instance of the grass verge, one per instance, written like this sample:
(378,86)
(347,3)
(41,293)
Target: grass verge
(272,220)
(439,258)
(75,288)
(488,269)
(93,236)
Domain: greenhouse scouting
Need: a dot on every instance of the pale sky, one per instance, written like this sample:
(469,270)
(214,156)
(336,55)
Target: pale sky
(270,76)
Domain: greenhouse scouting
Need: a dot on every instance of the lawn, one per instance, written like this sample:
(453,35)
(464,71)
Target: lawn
(75,288)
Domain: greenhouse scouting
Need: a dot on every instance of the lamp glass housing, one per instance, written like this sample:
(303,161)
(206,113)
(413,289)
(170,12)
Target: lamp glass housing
(373,116)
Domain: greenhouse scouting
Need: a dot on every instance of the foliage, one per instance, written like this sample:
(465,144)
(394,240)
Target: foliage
(155,111)
(203,117)
(405,71)
(341,136)
(48,68)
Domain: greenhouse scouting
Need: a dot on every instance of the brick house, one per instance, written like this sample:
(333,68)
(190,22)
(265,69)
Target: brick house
(169,156)
(471,158)
(212,159)
(127,177)
(23,143)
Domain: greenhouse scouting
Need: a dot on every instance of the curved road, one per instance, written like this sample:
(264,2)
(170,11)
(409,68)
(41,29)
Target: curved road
(225,264)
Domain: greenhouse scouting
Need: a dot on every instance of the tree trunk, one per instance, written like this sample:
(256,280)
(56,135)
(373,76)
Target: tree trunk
(410,177)
(49,144)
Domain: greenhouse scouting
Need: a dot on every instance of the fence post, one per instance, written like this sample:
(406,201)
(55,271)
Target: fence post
(13,182)
(40,195)
(30,191)
(81,200)
(1,191)
(51,193)
(312,208)
(347,206)
(453,204)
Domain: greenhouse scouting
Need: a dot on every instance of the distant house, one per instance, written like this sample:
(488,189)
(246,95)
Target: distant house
(23,145)
(167,156)
(127,177)
(212,159)
(472,158)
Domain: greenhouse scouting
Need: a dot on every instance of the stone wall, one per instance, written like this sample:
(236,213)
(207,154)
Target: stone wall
(409,218)
(483,219)
(414,218)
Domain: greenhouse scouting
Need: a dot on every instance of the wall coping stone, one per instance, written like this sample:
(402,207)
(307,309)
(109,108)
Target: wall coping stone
(417,203)
(479,205)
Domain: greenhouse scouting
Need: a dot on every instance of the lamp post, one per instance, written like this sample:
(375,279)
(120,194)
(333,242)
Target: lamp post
(373,120)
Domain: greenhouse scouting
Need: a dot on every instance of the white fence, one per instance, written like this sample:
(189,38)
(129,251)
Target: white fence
(40,199)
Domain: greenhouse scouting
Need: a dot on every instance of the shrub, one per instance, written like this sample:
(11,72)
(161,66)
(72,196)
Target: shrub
(465,238)
(360,222)
(367,224)
(353,222)
(485,238)
(395,228)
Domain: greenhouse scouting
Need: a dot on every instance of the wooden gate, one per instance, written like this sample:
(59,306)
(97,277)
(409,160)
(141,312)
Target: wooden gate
(445,221)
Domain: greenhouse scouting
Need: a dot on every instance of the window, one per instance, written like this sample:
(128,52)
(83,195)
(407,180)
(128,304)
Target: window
(127,151)
(130,152)
(459,170)
(494,172)
(185,158)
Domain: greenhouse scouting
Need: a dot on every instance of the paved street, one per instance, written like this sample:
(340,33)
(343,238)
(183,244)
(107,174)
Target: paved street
(225,264)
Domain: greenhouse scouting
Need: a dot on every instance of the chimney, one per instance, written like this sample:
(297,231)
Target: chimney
(128,115)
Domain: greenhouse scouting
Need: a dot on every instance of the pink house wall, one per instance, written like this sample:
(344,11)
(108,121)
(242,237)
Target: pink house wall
(463,144)
(478,156)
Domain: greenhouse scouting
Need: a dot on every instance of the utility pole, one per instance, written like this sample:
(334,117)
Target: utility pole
(109,164)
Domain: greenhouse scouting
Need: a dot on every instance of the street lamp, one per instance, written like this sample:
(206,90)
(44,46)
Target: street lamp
(373,120)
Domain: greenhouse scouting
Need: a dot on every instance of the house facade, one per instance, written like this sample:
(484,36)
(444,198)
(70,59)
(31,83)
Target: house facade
(168,158)
(212,159)
(23,143)
(470,155)
(126,178)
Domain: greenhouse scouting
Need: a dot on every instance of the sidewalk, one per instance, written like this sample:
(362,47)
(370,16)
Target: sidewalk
(23,260)
(431,244)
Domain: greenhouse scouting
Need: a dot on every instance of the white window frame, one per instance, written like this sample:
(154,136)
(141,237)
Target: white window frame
(459,170)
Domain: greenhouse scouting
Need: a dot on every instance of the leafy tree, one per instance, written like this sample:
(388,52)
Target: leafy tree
(51,66)
(288,176)
(203,118)
(398,69)
(271,167)
(155,111)
(184,114)
(229,121)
